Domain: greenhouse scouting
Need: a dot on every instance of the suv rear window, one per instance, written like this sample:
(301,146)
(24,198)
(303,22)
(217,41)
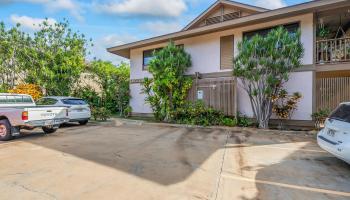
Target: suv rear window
(73,101)
(46,102)
(342,113)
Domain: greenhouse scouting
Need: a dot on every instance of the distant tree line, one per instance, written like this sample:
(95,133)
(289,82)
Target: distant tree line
(54,58)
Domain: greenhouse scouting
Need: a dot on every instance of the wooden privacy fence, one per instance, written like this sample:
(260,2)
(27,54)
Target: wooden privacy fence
(218,93)
(332,91)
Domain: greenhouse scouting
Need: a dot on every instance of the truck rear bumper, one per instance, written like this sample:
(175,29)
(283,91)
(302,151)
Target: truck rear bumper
(51,122)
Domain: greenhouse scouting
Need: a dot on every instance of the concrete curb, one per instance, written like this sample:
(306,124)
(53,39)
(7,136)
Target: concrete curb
(119,122)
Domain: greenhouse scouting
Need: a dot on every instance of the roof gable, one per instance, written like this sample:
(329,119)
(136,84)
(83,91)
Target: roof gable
(223,10)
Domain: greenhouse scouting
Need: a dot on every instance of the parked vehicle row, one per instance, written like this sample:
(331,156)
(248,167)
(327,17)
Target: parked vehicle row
(78,109)
(335,137)
(18,111)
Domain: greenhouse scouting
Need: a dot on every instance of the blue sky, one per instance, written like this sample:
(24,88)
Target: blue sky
(114,22)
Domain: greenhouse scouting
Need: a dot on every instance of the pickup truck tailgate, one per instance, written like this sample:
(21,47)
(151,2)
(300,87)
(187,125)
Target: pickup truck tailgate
(46,113)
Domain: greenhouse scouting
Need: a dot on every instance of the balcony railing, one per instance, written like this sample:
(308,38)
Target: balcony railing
(333,50)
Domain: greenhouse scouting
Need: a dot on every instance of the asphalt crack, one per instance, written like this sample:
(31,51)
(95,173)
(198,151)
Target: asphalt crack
(222,166)
(35,191)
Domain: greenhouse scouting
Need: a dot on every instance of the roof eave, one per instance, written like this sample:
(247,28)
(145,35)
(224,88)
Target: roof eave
(227,2)
(124,50)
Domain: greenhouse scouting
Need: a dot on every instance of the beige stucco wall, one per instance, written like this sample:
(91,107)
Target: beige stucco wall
(205,54)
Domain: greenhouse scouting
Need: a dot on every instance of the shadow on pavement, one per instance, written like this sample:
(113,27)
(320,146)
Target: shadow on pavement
(168,155)
(304,174)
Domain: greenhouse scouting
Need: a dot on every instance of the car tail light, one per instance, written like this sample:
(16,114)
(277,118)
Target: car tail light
(25,115)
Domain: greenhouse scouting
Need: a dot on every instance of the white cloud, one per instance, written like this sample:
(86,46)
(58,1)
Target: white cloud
(163,8)
(72,6)
(29,22)
(99,50)
(270,4)
(161,28)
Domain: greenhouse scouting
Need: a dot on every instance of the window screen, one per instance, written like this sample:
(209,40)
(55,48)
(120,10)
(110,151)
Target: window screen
(292,28)
(148,55)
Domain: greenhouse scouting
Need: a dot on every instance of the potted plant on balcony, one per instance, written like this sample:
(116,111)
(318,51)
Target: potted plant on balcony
(323,33)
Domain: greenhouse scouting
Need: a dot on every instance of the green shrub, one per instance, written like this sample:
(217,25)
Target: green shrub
(197,114)
(127,112)
(243,121)
(101,113)
(88,94)
(229,122)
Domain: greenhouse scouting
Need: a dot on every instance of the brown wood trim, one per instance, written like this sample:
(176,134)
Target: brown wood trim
(136,81)
(333,74)
(314,27)
(306,68)
(333,67)
(228,73)
(294,124)
(314,92)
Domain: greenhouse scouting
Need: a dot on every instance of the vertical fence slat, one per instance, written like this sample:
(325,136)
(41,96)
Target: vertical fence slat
(331,91)
(218,93)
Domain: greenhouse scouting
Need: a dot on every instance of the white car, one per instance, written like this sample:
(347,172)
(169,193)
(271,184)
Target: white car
(335,137)
(78,109)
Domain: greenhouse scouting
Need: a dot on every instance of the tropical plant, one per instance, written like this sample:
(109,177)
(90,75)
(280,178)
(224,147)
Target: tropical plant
(320,117)
(323,32)
(285,105)
(263,65)
(167,90)
(30,89)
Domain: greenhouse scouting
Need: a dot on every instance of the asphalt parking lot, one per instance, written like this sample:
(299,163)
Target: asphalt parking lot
(105,161)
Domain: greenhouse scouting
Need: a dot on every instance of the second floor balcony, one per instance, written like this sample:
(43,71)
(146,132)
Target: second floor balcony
(333,50)
(333,36)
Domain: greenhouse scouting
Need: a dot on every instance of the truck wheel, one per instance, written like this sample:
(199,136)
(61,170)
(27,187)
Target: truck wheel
(5,130)
(83,122)
(49,130)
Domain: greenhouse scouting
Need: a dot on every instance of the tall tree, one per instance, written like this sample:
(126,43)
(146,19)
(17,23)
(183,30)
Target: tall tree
(168,88)
(264,65)
(114,82)
(13,45)
(56,58)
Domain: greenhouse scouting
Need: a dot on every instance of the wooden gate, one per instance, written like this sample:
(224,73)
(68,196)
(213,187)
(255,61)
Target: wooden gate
(331,91)
(218,93)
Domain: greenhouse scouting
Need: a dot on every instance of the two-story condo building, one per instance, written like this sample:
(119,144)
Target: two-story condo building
(211,40)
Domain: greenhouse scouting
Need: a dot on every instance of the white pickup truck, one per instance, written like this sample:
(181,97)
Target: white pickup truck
(18,111)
